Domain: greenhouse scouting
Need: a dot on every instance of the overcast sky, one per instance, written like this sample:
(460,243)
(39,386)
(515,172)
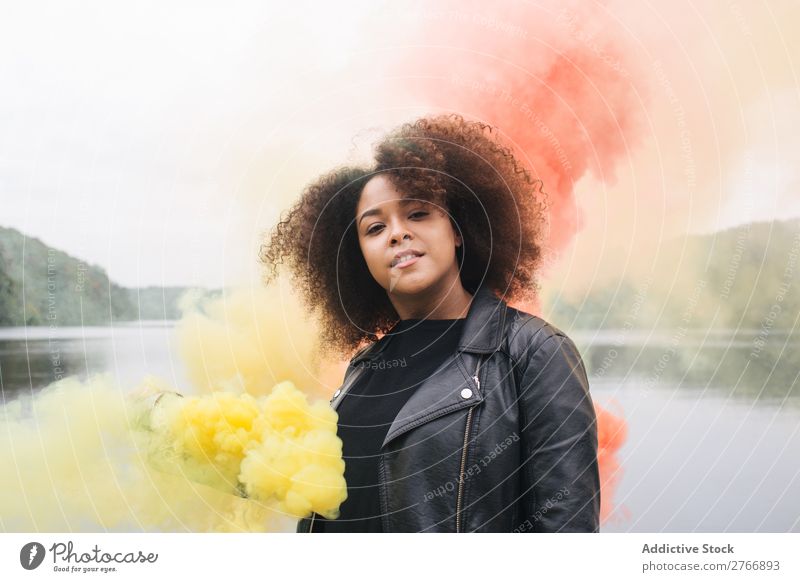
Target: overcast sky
(156,139)
(128,128)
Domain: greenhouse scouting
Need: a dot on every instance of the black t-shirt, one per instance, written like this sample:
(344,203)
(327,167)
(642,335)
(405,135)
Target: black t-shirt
(417,348)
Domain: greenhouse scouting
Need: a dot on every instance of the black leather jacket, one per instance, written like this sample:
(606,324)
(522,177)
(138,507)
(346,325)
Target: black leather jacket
(503,440)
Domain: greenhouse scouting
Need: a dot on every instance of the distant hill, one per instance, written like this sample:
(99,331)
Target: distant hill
(40,285)
(721,310)
(731,279)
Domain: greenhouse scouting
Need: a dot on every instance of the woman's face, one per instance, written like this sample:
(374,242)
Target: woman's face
(389,224)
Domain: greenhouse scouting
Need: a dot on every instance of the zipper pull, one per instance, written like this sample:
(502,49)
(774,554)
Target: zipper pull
(475,377)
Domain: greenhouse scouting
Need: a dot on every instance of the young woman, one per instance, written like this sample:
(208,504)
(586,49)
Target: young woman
(460,414)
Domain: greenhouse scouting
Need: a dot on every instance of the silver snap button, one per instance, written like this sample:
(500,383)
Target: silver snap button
(335,394)
(466,393)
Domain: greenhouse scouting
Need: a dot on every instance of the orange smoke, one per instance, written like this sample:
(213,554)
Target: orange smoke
(612,431)
(563,90)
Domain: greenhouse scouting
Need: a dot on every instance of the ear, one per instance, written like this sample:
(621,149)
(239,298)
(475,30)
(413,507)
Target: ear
(457,236)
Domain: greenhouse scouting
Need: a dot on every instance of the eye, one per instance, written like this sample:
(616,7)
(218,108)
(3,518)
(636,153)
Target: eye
(375,228)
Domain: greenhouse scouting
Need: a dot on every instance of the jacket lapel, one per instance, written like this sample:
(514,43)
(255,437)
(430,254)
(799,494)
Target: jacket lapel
(441,393)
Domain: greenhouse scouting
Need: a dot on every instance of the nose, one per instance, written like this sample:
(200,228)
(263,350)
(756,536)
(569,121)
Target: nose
(399,233)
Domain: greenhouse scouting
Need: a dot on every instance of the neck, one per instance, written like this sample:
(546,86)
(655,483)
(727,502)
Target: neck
(447,302)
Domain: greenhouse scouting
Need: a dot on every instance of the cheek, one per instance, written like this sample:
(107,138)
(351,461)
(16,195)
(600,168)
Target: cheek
(372,255)
(443,242)
(445,256)
(441,257)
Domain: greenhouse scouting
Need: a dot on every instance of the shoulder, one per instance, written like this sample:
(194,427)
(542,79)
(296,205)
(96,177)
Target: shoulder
(367,350)
(549,355)
(361,351)
(528,334)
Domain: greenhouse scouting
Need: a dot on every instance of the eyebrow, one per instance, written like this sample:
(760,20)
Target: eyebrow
(369,213)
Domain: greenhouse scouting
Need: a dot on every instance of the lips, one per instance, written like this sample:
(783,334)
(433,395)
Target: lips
(405,255)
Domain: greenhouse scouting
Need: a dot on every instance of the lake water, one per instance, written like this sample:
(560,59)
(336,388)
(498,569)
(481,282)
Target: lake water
(34,357)
(713,430)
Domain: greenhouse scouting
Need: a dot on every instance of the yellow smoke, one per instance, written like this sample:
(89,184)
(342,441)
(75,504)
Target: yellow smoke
(274,448)
(249,340)
(241,449)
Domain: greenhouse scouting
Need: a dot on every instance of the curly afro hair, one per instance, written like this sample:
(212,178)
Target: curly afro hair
(458,164)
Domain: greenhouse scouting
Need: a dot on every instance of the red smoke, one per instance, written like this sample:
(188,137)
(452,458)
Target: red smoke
(560,87)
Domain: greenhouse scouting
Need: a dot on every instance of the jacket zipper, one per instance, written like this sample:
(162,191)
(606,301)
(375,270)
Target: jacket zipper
(463,456)
(459,497)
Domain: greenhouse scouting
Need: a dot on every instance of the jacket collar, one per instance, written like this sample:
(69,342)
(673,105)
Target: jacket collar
(482,333)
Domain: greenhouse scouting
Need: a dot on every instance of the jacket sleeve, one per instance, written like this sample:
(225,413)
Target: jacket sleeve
(560,476)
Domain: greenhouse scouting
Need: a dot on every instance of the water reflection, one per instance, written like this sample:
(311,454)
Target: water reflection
(34,357)
(745,364)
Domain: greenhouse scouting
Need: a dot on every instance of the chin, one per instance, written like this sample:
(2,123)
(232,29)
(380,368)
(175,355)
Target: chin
(407,285)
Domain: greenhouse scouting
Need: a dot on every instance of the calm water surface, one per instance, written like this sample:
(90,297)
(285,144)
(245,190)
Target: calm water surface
(713,430)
